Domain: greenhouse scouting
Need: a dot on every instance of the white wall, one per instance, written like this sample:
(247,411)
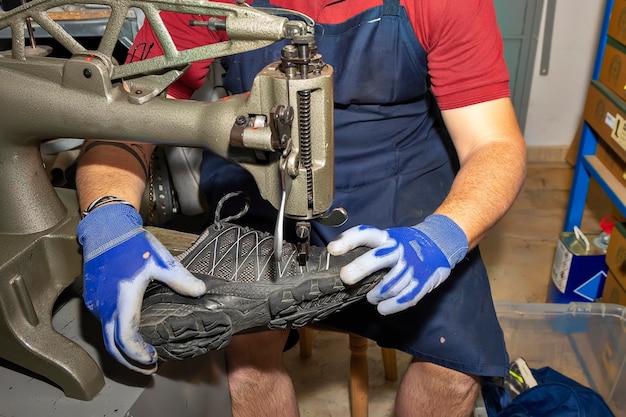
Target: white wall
(556,100)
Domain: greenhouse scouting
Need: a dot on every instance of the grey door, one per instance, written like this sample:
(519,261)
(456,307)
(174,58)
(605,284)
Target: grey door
(519,22)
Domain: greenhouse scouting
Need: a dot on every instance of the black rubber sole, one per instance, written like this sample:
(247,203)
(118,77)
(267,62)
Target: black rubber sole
(180,327)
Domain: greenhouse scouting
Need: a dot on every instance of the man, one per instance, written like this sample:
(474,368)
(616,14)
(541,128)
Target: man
(404,69)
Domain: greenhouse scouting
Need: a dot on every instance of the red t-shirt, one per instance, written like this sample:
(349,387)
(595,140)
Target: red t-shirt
(461,37)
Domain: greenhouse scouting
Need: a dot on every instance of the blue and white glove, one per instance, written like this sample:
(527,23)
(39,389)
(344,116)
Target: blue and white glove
(120,258)
(420,258)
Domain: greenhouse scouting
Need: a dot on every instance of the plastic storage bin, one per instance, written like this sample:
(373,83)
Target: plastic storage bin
(584,341)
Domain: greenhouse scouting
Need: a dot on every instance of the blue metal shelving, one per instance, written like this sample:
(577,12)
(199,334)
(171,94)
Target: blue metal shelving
(587,165)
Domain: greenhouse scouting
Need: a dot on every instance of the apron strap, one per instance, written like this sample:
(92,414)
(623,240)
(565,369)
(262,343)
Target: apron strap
(261,3)
(391,7)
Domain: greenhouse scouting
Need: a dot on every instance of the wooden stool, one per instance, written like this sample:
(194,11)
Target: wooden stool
(359,377)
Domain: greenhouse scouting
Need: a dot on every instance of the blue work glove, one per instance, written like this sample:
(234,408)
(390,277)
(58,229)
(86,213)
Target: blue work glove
(120,258)
(420,258)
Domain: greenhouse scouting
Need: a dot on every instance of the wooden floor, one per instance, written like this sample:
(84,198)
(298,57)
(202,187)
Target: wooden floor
(518,253)
(519,250)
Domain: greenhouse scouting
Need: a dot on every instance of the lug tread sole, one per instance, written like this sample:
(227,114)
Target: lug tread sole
(180,327)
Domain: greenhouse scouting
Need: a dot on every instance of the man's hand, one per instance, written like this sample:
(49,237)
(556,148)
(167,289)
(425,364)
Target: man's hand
(120,258)
(420,258)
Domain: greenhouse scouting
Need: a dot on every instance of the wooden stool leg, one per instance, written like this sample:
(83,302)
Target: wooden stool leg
(306,342)
(390,365)
(359,378)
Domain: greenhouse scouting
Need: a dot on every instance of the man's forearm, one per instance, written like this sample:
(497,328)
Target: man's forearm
(107,168)
(485,188)
(492,154)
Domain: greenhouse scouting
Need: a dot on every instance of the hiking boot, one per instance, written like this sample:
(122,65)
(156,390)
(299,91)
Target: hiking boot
(247,290)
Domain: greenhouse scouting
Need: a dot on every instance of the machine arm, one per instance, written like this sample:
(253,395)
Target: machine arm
(284,125)
(281,132)
(248,28)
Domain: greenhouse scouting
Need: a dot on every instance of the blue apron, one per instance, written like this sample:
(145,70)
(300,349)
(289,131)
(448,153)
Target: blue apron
(390,146)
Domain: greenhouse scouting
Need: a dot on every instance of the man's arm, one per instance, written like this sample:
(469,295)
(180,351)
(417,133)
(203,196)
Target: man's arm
(492,154)
(117,169)
(120,257)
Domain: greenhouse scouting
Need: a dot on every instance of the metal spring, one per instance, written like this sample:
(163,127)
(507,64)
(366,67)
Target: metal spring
(304,109)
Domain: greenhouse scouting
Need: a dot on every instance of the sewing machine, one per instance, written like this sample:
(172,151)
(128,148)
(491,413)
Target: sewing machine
(281,132)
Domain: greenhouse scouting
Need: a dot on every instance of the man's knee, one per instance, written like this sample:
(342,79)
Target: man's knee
(259,383)
(434,390)
(451,382)
(259,350)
